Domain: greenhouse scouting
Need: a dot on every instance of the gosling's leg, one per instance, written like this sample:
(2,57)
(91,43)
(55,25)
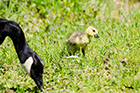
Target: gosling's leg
(83,51)
(71,53)
(71,50)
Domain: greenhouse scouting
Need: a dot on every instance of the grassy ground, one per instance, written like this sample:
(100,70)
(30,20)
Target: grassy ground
(111,63)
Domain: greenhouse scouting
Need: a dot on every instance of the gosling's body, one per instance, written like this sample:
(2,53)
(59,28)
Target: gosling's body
(78,40)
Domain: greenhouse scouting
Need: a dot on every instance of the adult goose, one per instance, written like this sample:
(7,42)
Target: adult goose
(29,59)
(78,40)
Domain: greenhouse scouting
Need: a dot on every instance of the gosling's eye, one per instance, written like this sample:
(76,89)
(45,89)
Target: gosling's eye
(93,30)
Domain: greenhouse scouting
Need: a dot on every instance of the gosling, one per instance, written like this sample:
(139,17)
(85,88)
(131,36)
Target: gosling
(78,40)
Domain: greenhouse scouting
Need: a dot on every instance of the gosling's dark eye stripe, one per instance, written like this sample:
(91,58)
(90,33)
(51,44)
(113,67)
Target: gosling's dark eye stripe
(93,30)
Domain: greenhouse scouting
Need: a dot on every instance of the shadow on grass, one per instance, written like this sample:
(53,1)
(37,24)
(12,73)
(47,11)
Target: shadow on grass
(2,87)
(34,90)
(129,87)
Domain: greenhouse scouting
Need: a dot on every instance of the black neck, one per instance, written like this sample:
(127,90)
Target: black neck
(19,41)
(16,34)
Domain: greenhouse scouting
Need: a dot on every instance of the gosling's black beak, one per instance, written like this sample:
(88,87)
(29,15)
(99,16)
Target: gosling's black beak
(39,82)
(96,36)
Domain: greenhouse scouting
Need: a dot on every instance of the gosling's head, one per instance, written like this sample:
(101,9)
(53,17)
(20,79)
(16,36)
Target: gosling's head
(92,31)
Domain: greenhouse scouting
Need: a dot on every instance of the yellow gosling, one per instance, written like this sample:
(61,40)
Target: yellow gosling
(78,40)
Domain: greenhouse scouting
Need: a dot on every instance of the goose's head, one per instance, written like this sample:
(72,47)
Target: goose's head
(34,68)
(92,31)
(36,71)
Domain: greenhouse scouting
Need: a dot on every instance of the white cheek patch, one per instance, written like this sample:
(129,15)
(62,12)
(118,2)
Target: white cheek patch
(27,65)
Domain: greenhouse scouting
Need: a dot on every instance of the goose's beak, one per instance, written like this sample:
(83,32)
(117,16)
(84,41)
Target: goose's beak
(96,36)
(39,82)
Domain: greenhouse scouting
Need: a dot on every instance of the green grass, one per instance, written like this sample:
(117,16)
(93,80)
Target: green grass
(111,63)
